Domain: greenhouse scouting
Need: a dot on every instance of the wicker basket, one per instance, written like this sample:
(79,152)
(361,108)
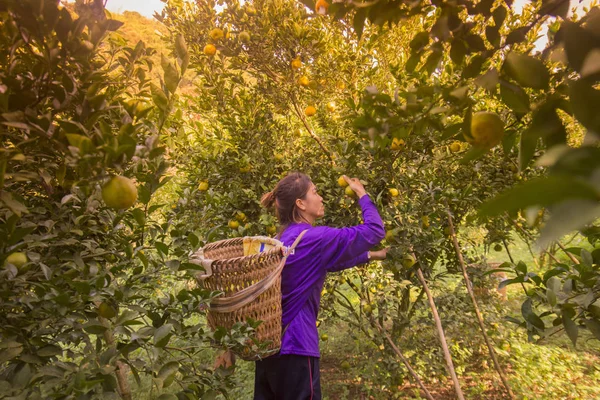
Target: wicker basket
(251,287)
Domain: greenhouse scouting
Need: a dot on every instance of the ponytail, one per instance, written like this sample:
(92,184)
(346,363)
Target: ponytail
(292,187)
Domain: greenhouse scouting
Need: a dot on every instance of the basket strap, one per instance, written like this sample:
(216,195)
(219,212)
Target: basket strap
(245,296)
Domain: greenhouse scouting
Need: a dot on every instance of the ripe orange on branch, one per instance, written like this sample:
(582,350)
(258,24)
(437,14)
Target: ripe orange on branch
(119,193)
(321,7)
(210,50)
(487,130)
(310,111)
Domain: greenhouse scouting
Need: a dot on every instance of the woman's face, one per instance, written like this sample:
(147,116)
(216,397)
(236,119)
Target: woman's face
(312,205)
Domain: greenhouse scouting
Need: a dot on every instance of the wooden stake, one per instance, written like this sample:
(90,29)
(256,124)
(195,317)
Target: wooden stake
(404,360)
(442,336)
(476,307)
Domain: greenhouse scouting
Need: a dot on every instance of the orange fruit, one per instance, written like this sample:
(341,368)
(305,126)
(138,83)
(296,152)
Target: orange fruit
(119,193)
(310,111)
(210,50)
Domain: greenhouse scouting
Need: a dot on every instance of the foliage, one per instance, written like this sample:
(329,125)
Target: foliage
(102,291)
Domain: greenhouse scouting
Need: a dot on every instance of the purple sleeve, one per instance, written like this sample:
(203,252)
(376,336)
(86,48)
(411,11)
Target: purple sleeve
(353,262)
(344,246)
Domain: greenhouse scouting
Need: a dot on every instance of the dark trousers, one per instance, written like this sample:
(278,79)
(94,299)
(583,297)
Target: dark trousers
(287,377)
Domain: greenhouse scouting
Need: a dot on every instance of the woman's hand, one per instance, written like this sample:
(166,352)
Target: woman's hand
(356,186)
(378,254)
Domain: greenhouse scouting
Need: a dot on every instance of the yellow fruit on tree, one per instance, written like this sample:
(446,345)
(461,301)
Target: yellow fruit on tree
(389,235)
(296,63)
(119,193)
(233,224)
(17,259)
(304,81)
(271,229)
(487,130)
(321,7)
(425,221)
(203,186)
(367,309)
(240,216)
(331,106)
(455,147)
(394,192)
(340,86)
(324,337)
(408,261)
(345,365)
(216,34)
(349,191)
(310,111)
(278,157)
(342,182)
(210,50)
(397,144)
(244,37)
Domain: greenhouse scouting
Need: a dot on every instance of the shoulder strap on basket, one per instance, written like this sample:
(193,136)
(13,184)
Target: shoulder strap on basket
(245,296)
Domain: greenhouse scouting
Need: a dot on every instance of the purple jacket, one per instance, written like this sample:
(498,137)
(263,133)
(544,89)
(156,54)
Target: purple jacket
(322,249)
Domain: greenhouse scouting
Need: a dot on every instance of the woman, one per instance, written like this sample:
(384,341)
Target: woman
(293,373)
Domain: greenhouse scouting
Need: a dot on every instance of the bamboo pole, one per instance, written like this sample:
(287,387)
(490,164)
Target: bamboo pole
(442,336)
(404,360)
(476,307)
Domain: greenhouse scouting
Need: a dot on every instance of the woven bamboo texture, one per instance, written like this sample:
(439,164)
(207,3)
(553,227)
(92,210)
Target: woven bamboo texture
(232,272)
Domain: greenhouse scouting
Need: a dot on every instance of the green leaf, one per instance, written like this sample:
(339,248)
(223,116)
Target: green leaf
(163,248)
(517,36)
(585,101)
(594,327)
(159,97)
(432,62)
(94,327)
(492,35)
(530,316)
(181,49)
(49,351)
(514,97)
(167,396)
(458,50)
(489,80)
(168,369)
(475,42)
(419,42)
(578,43)
(526,70)
(543,191)
(499,15)
(556,8)
(10,353)
(568,216)
(551,297)
(359,21)
(571,328)
(162,335)
(171,74)
(474,67)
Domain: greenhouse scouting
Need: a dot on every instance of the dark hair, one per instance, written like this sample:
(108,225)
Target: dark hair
(294,186)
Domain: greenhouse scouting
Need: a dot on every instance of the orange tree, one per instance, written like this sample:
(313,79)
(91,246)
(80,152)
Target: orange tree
(86,260)
(260,66)
(548,97)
